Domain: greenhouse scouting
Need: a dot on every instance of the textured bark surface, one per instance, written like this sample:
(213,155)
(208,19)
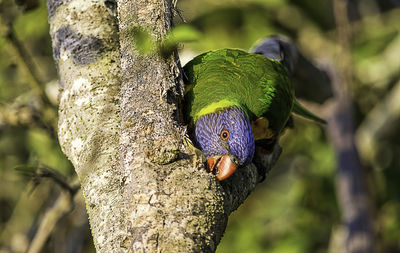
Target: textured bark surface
(174,204)
(144,190)
(86,50)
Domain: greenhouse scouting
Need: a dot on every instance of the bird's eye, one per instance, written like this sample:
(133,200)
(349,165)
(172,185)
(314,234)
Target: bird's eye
(224,135)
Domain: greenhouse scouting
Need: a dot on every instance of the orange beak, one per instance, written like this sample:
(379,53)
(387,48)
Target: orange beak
(224,166)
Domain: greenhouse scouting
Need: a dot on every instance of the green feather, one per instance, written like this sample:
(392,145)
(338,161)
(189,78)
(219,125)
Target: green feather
(300,110)
(228,77)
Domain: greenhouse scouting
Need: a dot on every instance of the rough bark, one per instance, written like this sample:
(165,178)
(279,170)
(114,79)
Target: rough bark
(118,124)
(86,50)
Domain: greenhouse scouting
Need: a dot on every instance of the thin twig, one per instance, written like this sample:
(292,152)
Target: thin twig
(62,206)
(382,116)
(47,172)
(36,173)
(24,114)
(24,60)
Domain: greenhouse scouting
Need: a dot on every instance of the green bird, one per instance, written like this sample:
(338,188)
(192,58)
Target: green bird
(233,100)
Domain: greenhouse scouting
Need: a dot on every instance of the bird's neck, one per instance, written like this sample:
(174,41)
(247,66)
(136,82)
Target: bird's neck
(219,106)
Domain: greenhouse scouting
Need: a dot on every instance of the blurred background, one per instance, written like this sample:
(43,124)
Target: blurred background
(297,207)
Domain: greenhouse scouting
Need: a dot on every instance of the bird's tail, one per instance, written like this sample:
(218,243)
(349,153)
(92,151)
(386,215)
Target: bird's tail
(300,110)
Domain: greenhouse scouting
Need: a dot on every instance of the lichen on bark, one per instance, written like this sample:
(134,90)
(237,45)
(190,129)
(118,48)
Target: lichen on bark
(86,50)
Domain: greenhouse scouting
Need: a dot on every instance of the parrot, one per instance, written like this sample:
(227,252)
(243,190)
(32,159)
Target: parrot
(234,100)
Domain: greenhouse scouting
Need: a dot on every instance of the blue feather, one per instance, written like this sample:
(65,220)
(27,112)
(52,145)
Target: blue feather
(240,142)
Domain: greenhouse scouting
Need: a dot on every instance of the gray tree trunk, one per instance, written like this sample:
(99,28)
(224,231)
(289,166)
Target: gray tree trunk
(118,124)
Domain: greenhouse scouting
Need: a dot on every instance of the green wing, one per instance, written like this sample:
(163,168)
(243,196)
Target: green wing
(228,77)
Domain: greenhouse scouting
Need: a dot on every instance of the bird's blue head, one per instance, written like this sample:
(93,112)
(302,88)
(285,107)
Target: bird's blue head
(226,139)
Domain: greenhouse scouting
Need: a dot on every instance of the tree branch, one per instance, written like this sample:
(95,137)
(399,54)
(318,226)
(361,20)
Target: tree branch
(350,182)
(24,61)
(62,206)
(142,191)
(383,116)
(86,50)
(173,204)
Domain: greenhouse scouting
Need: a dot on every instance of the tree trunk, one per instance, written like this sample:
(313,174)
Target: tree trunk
(118,124)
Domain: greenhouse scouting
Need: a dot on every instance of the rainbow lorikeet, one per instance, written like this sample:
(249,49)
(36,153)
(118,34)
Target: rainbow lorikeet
(233,100)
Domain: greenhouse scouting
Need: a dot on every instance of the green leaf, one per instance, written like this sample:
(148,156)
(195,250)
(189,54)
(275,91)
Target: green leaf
(143,41)
(177,35)
(183,33)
